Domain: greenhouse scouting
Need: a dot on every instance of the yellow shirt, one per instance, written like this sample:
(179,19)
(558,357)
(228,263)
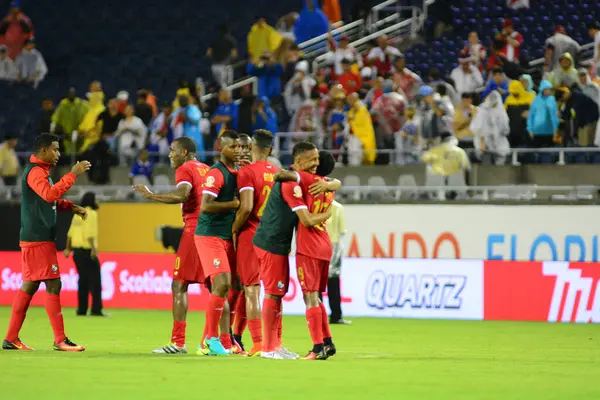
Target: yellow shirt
(336,225)
(81,231)
(9,163)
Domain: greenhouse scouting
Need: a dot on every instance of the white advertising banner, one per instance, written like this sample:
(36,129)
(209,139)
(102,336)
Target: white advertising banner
(483,232)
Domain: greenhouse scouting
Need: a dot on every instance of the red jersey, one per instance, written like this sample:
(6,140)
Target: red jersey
(258,177)
(314,241)
(192,173)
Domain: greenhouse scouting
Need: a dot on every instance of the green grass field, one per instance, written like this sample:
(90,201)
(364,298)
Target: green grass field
(377,358)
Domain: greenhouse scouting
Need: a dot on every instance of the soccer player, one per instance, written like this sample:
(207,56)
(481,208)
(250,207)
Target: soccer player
(255,182)
(39,203)
(189,178)
(272,243)
(214,239)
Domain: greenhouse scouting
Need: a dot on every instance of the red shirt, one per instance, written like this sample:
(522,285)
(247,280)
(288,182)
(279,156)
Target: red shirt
(258,177)
(351,82)
(314,241)
(512,52)
(191,173)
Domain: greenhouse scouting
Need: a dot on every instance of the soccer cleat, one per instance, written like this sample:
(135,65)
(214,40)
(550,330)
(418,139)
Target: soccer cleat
(287,353)
(274,355)
(255,350)
(330,350)
(171,348)
(312,356)
(237,347)
(67,345)
(340,321)
(215,347)
(16,345)
(203,350)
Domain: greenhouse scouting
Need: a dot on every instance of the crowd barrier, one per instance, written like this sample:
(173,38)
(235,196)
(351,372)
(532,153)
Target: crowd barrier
(397,288)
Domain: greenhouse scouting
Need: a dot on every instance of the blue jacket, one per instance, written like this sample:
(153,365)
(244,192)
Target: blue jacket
(230,109)
(543,114)
(270,123)
(191,128)
(493,86)
(310,24)
(269,79)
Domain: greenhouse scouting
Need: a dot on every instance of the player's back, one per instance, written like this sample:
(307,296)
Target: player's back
(260,178)
(192,172)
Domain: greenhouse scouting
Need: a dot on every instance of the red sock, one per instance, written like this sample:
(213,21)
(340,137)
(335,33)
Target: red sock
(315,324)
(178,333)
(214,310)
(325,324)
(232,300)
(226,340)
(19,311)
(269,316)
(54,311)
(254,325)
(240,315)
(279,324)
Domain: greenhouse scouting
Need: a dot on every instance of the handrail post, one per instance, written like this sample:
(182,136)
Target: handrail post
(515,159)
(561,158)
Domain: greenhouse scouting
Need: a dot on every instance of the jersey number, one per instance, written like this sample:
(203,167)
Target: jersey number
(319,207)
(266,192)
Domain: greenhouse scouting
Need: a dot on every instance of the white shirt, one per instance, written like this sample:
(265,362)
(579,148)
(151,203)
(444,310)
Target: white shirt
(596,45)
(336,57)
(8,69)
(377,54)
(467,83)
(30,63)
(132,135)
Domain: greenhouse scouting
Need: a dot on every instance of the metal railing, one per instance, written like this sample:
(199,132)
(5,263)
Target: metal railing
(251,80)
(319,45)
(586,53)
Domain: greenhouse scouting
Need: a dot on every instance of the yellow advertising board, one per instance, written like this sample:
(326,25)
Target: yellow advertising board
(131,227)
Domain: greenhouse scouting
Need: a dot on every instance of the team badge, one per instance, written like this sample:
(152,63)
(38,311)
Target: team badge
(301,275)
(210,182)
(280,285)
(54,268)
(297,191)
(217,262)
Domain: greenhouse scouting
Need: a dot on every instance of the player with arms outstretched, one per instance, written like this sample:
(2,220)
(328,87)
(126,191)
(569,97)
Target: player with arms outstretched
(189,178)
(273,238)
(214,239)
(255,182)
(39,203)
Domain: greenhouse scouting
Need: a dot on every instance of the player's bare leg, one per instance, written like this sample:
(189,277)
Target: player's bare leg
(253,314)
(54,311)
(221,283)
(314,317)
(19,312)
(180,306)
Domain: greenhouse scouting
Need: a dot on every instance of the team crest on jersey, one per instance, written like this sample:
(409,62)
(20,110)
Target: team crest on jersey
(217,262)
(280,285)
(210,181)
(54,268)
(297,191)
(301,275)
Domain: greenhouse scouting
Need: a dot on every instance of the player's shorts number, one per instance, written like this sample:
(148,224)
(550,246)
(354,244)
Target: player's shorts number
(318,208)
(266,191)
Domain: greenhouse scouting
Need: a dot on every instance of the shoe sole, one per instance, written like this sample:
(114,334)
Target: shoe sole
(70,349)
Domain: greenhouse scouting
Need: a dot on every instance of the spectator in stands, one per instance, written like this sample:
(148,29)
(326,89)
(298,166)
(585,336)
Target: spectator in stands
(461,123)
(246,109)
(477,50)
(67,117)
(527,83)
(186,122)
(435,118)
(88,127)
(565,74)
(222,52)
(150,100)
(490,129)
(444,99)
(307,119)
(496,58)
(594,32)
(446,158)
(131,134)
(160,132)
(383,55)
(542,122)
(332,10)
(466,76)
(497,83)
(343,51)
(406,81)
(298,89)
(557,45)
(517,108)
(322,85)
(9,163)
(45,118)
(350,81)
(8,68)
(435,79)
(337,125)
(264,117)
(226,115)
(183,90)
(268,71)
(407,143)
(586,114)
(122,101)
(513,40)
(587,86)
(375,92)
(262,37)
(142,167)
(108,123)
(311,23)
(361,128)
(285,26)
(31,65)
(15,29)
(289,61)
(142,109)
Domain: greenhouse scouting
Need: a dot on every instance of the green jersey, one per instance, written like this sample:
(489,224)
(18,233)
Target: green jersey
(38,217)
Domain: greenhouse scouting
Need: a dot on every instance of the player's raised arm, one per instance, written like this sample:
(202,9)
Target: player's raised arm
(286,176)
(326,166)
(292,195)
(179,195)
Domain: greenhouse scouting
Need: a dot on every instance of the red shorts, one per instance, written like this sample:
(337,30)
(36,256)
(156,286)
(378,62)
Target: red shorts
(216,255)
(274,271)
(188,268)
(312,273)
(247,262)
(39,262)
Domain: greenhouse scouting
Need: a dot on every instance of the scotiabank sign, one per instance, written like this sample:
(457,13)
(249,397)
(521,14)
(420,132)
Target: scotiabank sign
(480,232)
(413,288)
